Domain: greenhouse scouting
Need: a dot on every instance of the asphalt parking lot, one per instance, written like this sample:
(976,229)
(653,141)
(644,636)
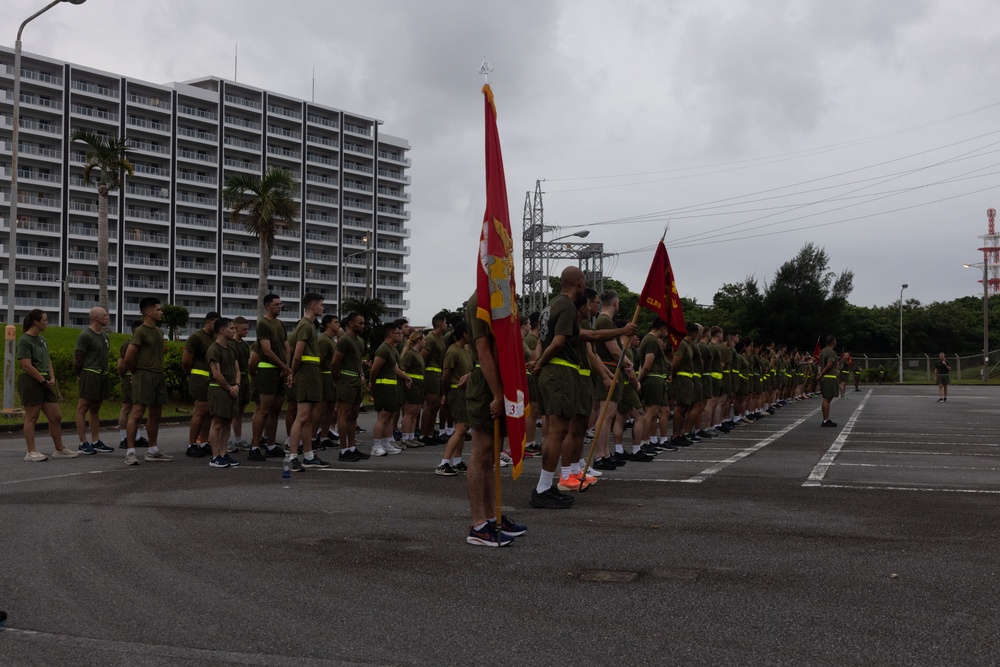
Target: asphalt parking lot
(781,543)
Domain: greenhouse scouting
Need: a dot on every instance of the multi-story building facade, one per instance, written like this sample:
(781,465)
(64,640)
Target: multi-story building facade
(169,233)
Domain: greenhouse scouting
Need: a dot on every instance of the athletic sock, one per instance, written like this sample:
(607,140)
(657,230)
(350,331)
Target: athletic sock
(481,526)
(444,462)
(122,434)
(619,449)
(566,471)
(455,461)
(636,449)
(574,468)
(544,481)
(153,450)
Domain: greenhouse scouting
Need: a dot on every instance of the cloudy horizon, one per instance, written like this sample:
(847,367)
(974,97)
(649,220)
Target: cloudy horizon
(752,129)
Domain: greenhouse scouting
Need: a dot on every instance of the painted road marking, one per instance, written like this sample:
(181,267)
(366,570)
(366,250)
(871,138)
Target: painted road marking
(816,476)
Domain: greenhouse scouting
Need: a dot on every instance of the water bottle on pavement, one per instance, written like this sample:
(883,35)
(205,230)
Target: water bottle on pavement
(286,474)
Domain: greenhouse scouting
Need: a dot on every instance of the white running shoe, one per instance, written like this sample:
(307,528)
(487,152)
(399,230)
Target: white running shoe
(378,451)
(391,449)
(505,460)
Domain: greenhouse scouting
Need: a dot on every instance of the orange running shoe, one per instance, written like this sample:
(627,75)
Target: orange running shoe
(571,483)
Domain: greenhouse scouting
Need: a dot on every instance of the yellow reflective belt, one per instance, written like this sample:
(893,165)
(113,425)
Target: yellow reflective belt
(311,358)
(454,386)
(198,371)
(433,369)
(327,372)
(684,374)
(265,364)
(414,376)
(717,376)
(562,362)
(830,376)
(655,375)
(349,374)
(584,372)
(386,381)
(93,370)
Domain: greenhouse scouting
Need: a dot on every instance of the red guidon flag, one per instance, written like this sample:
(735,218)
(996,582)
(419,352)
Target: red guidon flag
(816,350)
(660,295)
(495,289)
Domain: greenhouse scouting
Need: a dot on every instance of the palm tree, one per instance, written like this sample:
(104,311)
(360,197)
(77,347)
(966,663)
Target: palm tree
(266,201)
(109,157)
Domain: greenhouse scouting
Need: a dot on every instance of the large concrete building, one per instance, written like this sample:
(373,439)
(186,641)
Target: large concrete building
(170,235)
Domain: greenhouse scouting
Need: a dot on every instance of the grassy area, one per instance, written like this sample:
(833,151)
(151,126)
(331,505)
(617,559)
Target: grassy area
(61,341)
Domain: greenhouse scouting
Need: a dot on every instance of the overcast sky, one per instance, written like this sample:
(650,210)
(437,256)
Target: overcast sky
(869,128)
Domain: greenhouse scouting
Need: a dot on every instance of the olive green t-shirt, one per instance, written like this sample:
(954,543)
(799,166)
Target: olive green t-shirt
(390,359)
(715,355)
(149,355)
(478,328)
(604,322)
(650,344)
(36,349)
(459,360)
(273,332)
(412,363)
(225,357)
(699,353)
(241,349)
(686,353)
(435,346)
(95,347)
(327,346)
(353,348)
(305,331)
(530,343)
(828,356)
(197,344)
(561,318)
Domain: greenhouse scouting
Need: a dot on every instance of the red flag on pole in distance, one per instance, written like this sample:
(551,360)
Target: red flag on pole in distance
(659,294)
(495,290)
(816,350)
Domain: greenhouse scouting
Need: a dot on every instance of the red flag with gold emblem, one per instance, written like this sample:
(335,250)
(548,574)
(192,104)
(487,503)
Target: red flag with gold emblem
(659,294)
(495,290)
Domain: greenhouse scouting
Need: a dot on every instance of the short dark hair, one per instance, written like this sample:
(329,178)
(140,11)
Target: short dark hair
(533,318)
(388,328)
(148,302)
(590,293)
(211,317)
(658,323)
(239,319)
(831,339)
(351,316)
(136,324)
(459,328)
(221,323)
(309,298)
(269,298)
(33,317)
(329,317)
(399,322)
(438,319)
(692,328)
(607,296)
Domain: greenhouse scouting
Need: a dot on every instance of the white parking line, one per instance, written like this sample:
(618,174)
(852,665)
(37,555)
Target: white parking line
(721,465)
(863,487)
(817,474)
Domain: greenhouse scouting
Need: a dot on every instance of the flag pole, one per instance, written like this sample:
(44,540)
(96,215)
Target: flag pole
(604,407)
(497,446)
(611,390)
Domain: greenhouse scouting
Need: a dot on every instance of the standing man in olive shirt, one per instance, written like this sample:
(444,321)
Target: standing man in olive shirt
(307,382)
(827,376)
(223,390)
(90,361)
(330,325)
(433,354)
(683,385)
(195,367)
(273,375)
(348,376)
(484,402)
(241,349)
(652,376)
(609,353)
(144,358)
(386,378)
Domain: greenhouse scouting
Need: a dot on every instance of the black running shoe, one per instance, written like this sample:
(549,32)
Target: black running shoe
(549,500)
(703,434)
(256,455)
(640,456)
(195,452)
(605,464)
(274,452)
(349,456)
(828,424)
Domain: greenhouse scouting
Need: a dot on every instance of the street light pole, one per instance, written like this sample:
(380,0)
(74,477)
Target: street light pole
(901,332)
(986,320)
(582,235)
(9,330)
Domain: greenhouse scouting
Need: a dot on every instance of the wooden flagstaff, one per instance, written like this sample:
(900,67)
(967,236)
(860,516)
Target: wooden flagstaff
(611,390)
